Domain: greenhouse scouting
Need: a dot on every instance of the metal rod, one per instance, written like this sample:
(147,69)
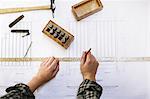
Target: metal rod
(28,50)
(16,21)
(19,31)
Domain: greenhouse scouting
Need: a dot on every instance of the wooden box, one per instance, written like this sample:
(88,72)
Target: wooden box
(58,34)
(86,8)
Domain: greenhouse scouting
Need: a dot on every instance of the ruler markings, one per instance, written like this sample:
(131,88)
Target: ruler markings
(77,59)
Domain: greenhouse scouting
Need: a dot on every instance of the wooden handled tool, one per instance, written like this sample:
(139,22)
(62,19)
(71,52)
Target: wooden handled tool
(23,9)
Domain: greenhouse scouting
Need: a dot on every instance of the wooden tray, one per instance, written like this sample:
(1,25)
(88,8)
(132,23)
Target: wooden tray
(86,8)
(48,28)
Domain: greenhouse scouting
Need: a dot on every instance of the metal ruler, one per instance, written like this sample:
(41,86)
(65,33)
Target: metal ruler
(77,59)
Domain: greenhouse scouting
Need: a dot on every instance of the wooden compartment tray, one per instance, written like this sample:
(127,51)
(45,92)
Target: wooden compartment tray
(86,8)
(58,34)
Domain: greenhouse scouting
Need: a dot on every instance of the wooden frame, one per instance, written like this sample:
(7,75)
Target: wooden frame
(86,8)
(69,41)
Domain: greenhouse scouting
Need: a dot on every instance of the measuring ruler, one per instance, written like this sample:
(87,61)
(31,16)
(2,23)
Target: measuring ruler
(77,59)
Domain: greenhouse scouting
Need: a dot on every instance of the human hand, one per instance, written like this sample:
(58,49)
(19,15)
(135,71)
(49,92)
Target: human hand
(48,70)
(88,66)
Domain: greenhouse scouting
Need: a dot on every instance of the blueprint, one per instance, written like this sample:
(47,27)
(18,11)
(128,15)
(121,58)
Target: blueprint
(121,29)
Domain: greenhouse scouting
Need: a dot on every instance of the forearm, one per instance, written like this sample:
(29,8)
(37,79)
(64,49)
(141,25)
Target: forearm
(90,77)
(34,84)
(89,90)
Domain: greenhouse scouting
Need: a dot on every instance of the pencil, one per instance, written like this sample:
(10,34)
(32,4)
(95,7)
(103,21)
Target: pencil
(87,53)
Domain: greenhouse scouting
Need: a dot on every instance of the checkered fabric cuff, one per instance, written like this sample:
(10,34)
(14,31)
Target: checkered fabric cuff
(89,85)
(20,89)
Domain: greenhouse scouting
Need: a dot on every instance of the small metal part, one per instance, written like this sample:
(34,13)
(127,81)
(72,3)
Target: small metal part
(66,37)
(63,40)
(16,21)
(48,29)
(28,49)
(51,31)
(19,31)
(55,28)
(62,34)
(51,26)
(60,37)
(56,35)
(58,31)
(26,34)
(53,7)
(53,10)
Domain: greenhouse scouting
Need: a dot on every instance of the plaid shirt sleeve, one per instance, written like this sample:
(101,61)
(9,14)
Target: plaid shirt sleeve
(19,91)
(89,90)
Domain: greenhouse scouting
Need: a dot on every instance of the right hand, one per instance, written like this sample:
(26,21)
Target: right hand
(88,66)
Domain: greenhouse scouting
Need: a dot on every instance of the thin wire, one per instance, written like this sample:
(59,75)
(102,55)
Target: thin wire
(28,49)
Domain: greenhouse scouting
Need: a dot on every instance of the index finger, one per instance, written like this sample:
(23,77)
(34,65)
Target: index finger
(50,60)
(45,61)
(82,60)
(91,58)
(54,64)
(88,56)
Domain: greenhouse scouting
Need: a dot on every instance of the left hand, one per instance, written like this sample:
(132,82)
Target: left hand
(48,70)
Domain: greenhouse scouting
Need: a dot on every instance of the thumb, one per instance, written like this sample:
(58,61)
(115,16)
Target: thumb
(83,58)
